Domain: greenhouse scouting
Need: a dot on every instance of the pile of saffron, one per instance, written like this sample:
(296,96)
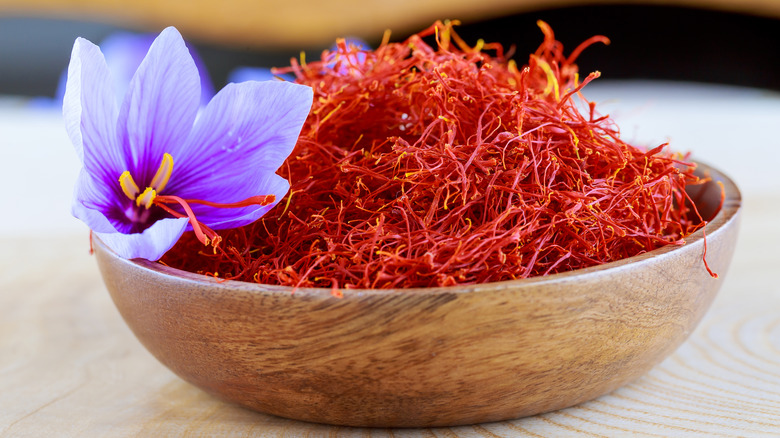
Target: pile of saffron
(436,165)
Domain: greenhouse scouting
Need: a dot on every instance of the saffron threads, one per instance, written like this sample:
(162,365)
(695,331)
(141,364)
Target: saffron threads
(440,165)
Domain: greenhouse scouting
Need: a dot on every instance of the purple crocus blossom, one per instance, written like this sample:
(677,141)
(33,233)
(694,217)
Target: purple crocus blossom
(358,46)
(151,146)
(347,53)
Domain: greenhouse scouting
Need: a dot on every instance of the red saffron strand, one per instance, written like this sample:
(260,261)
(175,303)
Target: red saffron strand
(704,253)
(204,234)
(439,165)
(252,200)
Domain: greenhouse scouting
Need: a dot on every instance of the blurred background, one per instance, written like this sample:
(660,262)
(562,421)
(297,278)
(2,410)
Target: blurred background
(706,41)
(702,74)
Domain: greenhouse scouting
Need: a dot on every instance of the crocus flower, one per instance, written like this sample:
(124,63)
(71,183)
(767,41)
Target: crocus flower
(347,53)
(352,52)
(151,171)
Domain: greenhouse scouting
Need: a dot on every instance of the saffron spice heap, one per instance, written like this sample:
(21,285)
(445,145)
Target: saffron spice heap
(434,166)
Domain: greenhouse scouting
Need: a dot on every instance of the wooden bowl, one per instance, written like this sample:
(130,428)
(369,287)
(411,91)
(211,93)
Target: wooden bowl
(433,356)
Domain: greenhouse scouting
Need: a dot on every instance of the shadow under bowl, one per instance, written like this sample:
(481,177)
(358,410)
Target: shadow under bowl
(431,356)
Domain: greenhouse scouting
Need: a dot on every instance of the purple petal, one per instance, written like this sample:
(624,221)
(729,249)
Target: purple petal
(354,55)
(248,129)
(124,52)
(240,140)
(351,42)
(160,106)
(151,244)
(89,111)
(91,203)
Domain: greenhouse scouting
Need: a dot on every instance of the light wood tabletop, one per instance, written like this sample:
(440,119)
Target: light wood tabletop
(69,366)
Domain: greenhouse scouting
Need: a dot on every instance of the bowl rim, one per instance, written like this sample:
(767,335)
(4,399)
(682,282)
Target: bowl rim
(728,212)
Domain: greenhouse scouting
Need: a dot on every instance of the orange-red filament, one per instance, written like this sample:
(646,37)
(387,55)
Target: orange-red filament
(432,166)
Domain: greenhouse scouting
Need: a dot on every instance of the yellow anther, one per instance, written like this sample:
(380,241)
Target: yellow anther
(480,45)
(163,174)
(146,198)
(552,81)
(129,187)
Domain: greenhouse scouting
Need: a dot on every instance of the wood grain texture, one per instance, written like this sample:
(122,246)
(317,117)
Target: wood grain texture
(315,23)
(69,366)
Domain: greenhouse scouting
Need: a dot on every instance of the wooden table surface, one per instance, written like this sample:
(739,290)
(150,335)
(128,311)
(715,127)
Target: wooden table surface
(69,366)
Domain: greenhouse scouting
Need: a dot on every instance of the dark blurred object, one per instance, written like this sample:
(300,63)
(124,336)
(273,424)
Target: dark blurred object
(264,24)
(651,42)
(648,42)
(34,52)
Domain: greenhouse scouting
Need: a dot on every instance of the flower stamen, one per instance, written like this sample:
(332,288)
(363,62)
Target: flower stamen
(129,187)
(160,180)
(146,198)
(149,197)
(163,174)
